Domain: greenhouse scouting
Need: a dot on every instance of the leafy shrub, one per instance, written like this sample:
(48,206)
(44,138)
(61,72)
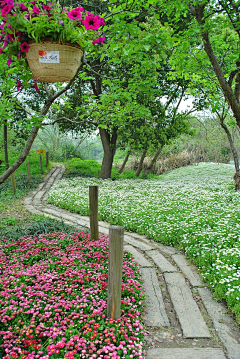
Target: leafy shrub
(21,183)
(35,226)
(90,167)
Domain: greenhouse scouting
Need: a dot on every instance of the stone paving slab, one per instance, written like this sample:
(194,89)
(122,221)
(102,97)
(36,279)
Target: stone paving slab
(188,313)
(185,353)
(102,230)
(140,259)
(167,249)
(155,308)
(27,200)
(136,243)
(139,236)
(188,269)
(32,209)
(223,323)
(163,264)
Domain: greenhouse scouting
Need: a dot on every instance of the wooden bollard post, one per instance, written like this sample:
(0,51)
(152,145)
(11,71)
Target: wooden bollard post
(93,211)
(40,162)
(47,159)
(116,235)
(13,179)
(28,172)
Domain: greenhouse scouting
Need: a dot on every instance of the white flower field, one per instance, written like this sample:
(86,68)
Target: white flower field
(194,208)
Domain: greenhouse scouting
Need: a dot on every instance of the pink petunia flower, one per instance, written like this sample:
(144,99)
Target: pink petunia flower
(99,40)
(24,47)
(33,2)
(23,7)
(35,85)
(46,7)
(6,10)
(75,14)
(2,25)
(36,10)
(9,61)
(91,22)
(19,85)
(102,22)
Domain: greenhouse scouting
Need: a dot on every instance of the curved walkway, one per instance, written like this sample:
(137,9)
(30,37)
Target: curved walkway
(182,319)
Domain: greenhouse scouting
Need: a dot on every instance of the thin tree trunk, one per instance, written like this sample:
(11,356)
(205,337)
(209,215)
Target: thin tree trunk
(153,162)
(139,170)
(124,163)
(35,129)
(109,148)
(198,12)
(236,177)
(5,130)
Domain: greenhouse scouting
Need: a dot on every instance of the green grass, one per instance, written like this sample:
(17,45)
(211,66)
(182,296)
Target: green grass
(194,208)
(90,168)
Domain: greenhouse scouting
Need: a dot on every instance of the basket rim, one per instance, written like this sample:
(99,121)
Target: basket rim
(48,41)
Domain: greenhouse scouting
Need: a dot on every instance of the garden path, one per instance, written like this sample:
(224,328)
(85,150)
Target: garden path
(182,319)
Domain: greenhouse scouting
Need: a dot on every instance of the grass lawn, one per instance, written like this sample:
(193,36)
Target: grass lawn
(194,208)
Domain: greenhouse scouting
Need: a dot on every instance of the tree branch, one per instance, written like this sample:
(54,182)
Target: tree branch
(68,119)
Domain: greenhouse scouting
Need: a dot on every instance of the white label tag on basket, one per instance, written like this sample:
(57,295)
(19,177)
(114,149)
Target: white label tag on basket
(49,57)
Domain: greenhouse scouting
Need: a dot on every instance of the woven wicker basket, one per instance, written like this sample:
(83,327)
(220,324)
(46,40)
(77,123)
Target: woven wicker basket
(69,57)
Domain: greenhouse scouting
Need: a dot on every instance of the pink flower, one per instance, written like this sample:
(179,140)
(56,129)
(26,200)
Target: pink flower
(1,50)
(19,85)
(33,2)
(35,85)
(75,14)
(36,10)
(91,22)
(99,40)
(102,22)
(46,7)
(9,61)
(23,7)
(24,47)
(2,25)
(6,10)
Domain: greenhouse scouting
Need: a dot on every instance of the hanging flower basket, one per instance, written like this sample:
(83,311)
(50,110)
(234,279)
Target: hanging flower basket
(52,61)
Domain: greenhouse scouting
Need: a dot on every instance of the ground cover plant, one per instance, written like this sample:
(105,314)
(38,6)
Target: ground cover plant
(90,168)
(53,296)
(194,208)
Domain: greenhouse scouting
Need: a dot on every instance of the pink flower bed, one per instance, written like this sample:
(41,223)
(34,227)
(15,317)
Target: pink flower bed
(53,300)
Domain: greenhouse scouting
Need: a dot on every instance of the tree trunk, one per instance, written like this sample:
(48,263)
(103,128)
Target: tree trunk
(124,163)
(33,134)
(236,177)
(233,102)
(109,147)
(27,148)
(5,129)
(139,170)
(153,162)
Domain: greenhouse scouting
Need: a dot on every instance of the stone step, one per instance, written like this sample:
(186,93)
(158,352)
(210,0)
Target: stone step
(185,353)
(140,259)
(223,323)
(167,249)
(136,243)
(155,314)
(188,269)
(163,264)
(187,311)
